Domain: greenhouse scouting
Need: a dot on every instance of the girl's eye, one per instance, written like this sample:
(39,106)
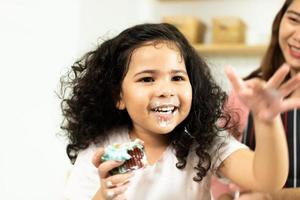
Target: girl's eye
(178,78)
(146,79)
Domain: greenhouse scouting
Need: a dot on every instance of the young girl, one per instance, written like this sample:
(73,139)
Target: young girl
(149,83)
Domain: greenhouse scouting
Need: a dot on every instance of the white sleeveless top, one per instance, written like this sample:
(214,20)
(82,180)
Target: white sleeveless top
(161,181)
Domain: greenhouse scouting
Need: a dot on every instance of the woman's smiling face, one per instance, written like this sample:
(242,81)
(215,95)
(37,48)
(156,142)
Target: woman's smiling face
(289,36)
(156,91)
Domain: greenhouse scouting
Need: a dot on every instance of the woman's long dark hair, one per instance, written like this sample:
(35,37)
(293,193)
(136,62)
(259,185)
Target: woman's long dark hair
(273,57)
(95,81)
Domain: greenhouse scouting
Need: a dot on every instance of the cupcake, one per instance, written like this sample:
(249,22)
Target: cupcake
(132,153)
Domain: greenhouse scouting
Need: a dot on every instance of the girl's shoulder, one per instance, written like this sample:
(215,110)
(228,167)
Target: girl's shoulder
(224,145)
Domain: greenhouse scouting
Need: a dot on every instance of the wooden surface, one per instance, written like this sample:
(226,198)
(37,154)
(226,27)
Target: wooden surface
(230,49)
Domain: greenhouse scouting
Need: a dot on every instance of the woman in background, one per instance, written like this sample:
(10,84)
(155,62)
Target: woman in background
(284,49)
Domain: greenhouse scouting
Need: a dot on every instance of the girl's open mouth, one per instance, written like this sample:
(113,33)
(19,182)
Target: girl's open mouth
(165,112)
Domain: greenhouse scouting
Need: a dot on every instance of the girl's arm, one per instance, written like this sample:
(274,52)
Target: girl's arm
(266,168)
(284,194)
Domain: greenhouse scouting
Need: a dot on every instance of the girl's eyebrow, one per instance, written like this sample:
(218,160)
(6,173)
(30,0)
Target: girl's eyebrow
(179,71)
(149,71)
(293,12)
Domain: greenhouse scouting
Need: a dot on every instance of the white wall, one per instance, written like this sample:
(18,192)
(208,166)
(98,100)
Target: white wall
(39,39)
(104,19)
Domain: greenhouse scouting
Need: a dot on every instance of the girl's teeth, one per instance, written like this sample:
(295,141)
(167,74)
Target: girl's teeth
(164,109)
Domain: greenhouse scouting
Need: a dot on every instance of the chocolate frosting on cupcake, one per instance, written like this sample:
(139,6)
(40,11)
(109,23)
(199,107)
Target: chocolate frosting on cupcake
(132,153)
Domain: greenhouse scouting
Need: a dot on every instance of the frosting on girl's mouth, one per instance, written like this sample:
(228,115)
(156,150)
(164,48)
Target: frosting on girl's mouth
(164,114)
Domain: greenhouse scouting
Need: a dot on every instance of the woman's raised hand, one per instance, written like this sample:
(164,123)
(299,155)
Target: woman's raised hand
(267,99)
(112,187)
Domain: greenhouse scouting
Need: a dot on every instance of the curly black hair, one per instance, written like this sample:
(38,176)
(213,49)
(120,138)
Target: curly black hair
(91,90)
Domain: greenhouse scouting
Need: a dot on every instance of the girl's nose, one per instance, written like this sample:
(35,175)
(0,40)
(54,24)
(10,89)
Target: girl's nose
(166,93)
(165,90)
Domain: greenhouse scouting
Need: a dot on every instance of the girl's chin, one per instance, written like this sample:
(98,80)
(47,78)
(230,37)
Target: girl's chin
(164,129)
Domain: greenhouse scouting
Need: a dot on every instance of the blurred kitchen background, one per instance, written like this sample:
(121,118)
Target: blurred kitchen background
(40,39)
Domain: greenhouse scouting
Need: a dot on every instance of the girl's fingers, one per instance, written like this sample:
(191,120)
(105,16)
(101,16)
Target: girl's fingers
(275,108)
(266,99)
(118,179)
(113,193)
(120,197)
(252,94)
(289,104)
(290,85)
(106,166)
(233,187)
(256,196)
(278,77)
(236,82)
(96,160)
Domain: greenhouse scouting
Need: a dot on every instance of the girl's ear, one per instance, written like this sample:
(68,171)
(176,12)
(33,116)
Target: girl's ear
(120,104)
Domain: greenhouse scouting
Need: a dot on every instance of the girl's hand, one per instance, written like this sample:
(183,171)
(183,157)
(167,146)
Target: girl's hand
(248,195)
(267,99)
(112,187)
(255,196)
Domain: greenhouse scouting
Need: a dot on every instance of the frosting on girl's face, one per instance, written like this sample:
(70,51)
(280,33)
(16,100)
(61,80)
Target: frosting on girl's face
(156,90)
(164,110)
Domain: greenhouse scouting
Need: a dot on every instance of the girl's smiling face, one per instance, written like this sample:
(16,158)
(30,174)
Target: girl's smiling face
(156,91)
(289,36)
